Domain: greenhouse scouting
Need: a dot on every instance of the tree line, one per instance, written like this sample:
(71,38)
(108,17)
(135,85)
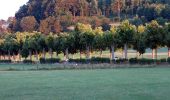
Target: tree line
(84,40)
(57,15)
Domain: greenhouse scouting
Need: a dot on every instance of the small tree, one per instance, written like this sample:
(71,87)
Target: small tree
(98,42)
(139,40)
(126,33)
(50,44)
(154,35)
(167,38)
(86,37)
(111,41)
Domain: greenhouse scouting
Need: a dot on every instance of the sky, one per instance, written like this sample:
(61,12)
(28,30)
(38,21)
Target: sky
(8,8)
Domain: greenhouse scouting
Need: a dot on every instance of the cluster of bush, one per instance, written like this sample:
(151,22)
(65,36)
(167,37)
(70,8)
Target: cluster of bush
(5,61)
(27,61)
(49,60)
(148,61)
(97,60)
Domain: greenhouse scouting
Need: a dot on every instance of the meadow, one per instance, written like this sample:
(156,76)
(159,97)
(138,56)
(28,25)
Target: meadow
(106,84)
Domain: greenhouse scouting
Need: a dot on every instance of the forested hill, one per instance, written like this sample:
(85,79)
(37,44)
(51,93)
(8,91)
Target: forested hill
(57,15)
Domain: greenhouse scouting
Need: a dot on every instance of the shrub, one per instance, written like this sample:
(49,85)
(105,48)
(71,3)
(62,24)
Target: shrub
(49,60)
(100,60)
(83,61)
(133,61)
(42,60)
(119,61)
(163,60)
(27,61)
(146,61)
(168,60)
(5,61)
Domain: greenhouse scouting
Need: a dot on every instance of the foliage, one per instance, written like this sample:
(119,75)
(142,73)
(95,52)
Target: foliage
(49,60)
(5,61)
(27,61)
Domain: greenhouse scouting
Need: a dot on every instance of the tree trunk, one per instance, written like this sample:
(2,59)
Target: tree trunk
(9,55)
(56,54)
(113,52)
(44,54)
(100,53)
(87,52)
(153,53)
(36,55)
(30,54)
(51,53)
(137,54)
(13,56)
(19,55)
(80,54)
(67,55)
(125,51)
(168,52)
(156,56)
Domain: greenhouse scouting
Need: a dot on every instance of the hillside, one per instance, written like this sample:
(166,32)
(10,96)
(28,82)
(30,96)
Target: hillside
(56,15)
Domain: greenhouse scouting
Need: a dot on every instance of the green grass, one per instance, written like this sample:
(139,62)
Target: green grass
(110,84)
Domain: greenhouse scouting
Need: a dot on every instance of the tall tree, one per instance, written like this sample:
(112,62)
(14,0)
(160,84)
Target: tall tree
(155,34)
(126,33)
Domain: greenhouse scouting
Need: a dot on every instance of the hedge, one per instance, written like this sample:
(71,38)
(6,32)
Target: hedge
(5,61)
(168,60)
(49,60)
(83,61)
(27,61)
(100,60)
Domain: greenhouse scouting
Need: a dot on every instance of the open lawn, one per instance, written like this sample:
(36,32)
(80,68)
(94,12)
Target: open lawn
(108,84)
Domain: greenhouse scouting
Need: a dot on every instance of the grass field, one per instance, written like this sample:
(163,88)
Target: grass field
(110,84)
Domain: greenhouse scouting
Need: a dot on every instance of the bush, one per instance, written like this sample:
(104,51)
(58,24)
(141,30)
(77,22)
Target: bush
(83,61)
(100,60)
(133,61)
(119,61)
(168,60)
(5,61)
(27,61)
(163,60)
(49,61)
(146,61)
(42,61)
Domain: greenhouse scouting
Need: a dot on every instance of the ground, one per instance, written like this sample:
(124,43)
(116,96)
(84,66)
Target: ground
(106,84)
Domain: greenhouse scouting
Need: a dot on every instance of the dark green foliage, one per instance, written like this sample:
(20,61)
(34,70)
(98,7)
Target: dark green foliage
(49,60)
(100,60)
(146,61)
(163,60)
(5,61)
(120,61)
(82,61)
(27,61)
(133,61)
(168,60)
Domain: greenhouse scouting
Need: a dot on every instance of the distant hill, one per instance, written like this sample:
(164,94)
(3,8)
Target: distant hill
(56,15)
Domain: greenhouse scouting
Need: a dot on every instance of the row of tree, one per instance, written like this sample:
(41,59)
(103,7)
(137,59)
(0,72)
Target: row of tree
(84,39)
(56,15)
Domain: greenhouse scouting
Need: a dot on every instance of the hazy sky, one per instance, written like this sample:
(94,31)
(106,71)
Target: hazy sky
(9,7)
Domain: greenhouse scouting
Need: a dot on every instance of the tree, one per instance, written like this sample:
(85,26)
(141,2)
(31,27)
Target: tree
(154,34)
(99,43)
(11,45)
(167,38)
(21,37)
(50,43)
(28,24)
(111,41)
(126,33)
(67,41)
(86,37)
(139,40)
